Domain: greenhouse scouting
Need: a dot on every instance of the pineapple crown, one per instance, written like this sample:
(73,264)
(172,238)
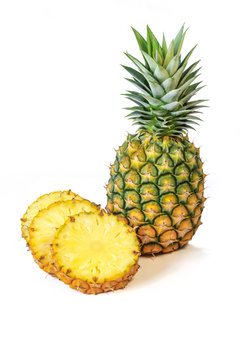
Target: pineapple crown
(163,105)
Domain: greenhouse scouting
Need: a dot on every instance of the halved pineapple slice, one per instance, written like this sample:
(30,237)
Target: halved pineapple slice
(96,253)
(44,227)
(42,203)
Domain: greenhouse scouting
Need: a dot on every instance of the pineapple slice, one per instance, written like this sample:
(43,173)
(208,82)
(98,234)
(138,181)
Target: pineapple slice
(96,253)
(44,227)
(42,203)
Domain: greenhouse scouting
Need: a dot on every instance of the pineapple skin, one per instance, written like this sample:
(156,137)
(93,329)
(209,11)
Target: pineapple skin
(157,185)
(96,288)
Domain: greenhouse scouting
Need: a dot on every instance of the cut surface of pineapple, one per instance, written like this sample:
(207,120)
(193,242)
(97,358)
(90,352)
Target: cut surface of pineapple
(45,225)
(42,203)
(96,252)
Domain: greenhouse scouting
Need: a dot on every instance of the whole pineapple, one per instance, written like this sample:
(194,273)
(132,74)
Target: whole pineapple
(157,181)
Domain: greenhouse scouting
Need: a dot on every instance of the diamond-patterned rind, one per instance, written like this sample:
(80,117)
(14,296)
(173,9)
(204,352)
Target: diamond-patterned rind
(157,184)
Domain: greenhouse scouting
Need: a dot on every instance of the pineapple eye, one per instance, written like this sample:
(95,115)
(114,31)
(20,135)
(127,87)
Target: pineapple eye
(149,172)
(183,191)
(118,183)
(132,179)
(166,183)
(168,202)
(125,163)
(131,198)
(148,192)
(165,163)
(118,203)
(151,209)
(135,217)
(182,173)
(162,223)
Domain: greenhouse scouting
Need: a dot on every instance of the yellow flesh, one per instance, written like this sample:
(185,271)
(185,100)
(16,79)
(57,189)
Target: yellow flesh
(42,203)
(96,248)
(44,226)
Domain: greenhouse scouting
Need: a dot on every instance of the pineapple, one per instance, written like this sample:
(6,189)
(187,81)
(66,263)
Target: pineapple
(157,180)
(41,203)
(45,224)
(95,253)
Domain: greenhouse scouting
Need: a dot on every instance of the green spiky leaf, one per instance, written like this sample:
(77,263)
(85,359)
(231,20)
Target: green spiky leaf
(141,41)
(166,86)
(164,46)
(169,54)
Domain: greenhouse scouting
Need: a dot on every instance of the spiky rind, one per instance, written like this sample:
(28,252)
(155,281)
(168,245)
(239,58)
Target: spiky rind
(166,86)
(97,288)
(157,184)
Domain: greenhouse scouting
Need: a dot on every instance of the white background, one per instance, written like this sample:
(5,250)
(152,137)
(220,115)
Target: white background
(61,118)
